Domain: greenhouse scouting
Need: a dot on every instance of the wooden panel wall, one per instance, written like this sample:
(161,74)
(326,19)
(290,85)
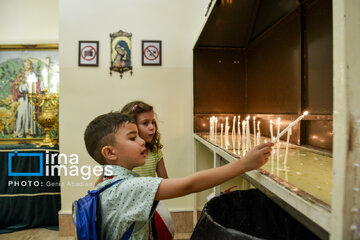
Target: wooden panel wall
(318,57)
(274,69)
(219,85)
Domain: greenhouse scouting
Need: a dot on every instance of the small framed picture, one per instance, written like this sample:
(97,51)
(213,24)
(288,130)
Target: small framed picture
(89,53)
(151,52)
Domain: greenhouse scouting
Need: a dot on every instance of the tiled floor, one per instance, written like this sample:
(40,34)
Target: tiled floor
(42,233)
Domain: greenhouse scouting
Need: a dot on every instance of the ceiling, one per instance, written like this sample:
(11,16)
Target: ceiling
(236,23)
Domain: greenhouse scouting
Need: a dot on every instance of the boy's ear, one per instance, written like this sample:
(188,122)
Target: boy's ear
(108,153)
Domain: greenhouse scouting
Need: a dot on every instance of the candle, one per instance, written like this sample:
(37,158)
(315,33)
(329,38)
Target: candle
(233,132)
(239,133)
(258,133)
(254,132)
(226,127)
(248,139)
(271,131)
(290,125)
(287,148)
(221,131)
(278,146)
(243,140)
(215,128)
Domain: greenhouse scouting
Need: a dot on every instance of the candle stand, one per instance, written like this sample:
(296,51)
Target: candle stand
(48,104)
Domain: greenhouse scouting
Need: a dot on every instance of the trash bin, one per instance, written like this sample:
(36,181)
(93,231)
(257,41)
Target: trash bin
(249,215)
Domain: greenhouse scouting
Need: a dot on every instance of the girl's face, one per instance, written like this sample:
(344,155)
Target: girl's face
(147,125)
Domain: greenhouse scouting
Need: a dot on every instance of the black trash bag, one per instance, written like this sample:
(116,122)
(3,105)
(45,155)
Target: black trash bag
(248,215)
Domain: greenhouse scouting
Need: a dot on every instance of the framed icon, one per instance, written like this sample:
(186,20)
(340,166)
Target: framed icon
(89,53)
(151,52)
(121,59)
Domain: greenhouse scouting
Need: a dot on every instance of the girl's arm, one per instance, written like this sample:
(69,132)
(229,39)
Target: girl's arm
(199,181)
(161,170)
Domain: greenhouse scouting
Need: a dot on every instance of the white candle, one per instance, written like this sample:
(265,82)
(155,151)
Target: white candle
(221,131)
(243,139)
(258,133)
(248,139)
(233,132)
(290,125)
(271,131)
(44,74)
(226,127)
(254,132)
(215,128)
(33,88)
(287,147)
(278,146)
(239,133)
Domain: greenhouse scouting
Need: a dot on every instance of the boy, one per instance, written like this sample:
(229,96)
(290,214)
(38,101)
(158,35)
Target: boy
(112,139)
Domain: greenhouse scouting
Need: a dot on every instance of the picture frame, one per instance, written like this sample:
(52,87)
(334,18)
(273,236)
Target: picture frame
(89,53)
(43,62)
(151,52)
(120,52)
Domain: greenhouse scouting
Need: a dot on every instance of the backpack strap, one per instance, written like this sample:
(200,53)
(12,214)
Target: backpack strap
(128,232)
(107,186)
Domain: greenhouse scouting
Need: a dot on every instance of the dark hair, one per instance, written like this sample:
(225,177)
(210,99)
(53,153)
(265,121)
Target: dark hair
(133,109)
(100,132)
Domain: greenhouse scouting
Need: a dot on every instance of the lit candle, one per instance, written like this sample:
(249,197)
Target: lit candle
(226,127)
(233,132)
(287,148)
(243,139)
(290,125)
(239,133)
(215,128)
(254,132)
(248,139)
(271,131)
(258,133)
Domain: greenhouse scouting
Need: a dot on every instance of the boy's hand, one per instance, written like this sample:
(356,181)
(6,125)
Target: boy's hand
(257,157)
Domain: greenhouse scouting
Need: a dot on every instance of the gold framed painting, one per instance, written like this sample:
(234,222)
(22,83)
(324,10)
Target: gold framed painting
(28,73)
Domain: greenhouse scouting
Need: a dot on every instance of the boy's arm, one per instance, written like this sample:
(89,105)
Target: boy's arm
(199,181)
(160,169)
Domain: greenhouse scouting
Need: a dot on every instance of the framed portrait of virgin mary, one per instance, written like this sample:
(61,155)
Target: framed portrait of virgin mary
(120,52)
(25,70)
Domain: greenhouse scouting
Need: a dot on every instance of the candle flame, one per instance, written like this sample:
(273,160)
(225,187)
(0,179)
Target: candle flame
(270,121)
(265,141)
(258,122)
(306,113)
(254,118)
(278,119)
(248,117)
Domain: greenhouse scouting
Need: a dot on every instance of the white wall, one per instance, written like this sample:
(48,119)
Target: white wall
(89,91)
(24,21)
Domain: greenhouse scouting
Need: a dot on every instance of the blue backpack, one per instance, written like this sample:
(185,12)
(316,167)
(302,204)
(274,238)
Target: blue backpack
(86,212)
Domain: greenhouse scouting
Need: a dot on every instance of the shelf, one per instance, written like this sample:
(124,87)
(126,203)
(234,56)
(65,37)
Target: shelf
(309,210)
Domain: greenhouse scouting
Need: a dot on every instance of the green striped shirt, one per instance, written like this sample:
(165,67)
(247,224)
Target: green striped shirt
(151,161)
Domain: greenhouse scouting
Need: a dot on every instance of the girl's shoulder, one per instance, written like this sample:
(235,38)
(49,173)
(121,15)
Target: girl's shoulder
(156,153)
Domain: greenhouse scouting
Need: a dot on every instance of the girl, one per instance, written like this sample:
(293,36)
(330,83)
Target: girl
(144,116)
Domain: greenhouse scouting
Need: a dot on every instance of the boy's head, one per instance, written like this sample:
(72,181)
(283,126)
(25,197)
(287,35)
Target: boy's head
(101,132)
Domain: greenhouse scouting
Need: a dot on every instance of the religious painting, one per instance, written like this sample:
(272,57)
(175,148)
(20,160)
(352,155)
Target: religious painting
(27,72)
(121,52)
